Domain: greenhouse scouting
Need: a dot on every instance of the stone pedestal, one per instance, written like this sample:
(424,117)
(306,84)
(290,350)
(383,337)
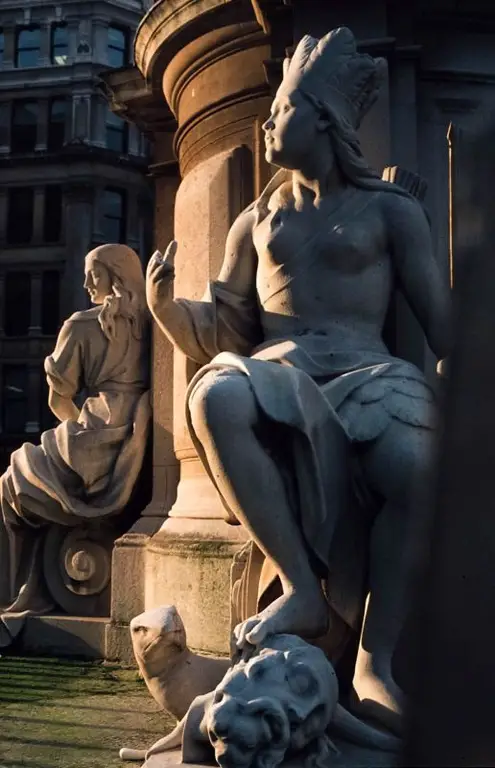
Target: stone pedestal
(188,565)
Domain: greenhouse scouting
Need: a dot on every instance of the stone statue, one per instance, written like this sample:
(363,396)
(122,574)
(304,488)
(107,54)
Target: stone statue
(85,468)
(173,673)
(276,704)
(298,388)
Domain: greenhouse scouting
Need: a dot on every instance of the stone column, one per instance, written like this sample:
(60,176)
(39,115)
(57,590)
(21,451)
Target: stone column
(42,127)
(9,31)
(81,116)
(36,296)
(220,103)
(73,31)
(84,42)
(5,126)
(99,122)
(79,213)
(38,215)
(45,44)
(100,36)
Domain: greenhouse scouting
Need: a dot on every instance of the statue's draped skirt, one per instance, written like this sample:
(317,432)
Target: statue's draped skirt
(84,469)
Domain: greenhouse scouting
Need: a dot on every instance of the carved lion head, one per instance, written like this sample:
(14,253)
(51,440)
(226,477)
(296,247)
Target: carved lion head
(274,705)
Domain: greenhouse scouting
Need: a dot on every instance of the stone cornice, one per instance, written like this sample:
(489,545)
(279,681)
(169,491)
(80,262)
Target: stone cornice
(72,153)
(130,97)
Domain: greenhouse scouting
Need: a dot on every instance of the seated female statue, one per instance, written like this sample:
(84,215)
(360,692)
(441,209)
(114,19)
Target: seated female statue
(87,466)
(290,337)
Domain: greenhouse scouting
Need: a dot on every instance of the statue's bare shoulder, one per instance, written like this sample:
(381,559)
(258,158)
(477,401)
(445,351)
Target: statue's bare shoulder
(404,217)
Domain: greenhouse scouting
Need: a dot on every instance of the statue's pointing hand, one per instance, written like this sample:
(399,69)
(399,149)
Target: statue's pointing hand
(160,274)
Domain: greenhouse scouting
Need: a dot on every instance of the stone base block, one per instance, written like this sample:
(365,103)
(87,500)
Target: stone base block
(128,569)
(64,636)
(118,644)
(188,565)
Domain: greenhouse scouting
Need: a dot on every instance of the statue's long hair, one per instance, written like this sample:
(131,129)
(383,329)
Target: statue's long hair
(348,153)
(128,297)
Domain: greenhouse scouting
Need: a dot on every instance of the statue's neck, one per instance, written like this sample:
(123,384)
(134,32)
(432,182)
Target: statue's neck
(312,188)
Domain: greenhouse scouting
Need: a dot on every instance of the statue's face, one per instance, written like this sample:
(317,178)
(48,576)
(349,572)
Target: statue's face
(293,130)
(97,281)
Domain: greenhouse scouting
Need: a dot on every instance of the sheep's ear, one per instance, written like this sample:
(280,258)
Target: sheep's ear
(286,65)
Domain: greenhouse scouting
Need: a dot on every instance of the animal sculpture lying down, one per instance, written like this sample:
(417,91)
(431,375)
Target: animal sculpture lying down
(277,704)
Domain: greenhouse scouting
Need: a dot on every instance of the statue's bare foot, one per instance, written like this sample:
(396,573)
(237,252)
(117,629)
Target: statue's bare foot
(294,613)
(379,698)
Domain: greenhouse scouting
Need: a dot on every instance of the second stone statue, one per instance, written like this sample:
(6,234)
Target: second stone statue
(87,467)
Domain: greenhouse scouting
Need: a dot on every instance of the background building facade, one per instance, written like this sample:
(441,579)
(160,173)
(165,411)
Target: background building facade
(72,175)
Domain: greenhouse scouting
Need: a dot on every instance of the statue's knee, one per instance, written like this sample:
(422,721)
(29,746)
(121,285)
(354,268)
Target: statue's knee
(220,401)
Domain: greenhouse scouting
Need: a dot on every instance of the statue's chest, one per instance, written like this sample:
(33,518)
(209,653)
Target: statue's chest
(288,243)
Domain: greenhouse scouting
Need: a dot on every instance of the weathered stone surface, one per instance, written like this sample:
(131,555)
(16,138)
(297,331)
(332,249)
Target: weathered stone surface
(188,565)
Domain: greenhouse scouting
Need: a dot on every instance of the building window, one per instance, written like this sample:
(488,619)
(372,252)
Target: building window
(116,133)
(15,398)
(20,215)
(114,216)
(17,307)
(24,126)
(52,222)
(50,303)
(2,46)
(28,47)
(59,44)
(118,47)
(56,123)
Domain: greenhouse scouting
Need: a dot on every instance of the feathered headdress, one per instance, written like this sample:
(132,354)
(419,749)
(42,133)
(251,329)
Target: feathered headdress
(333,72)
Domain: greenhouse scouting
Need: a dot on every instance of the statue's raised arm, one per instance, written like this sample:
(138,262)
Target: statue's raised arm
(226,319)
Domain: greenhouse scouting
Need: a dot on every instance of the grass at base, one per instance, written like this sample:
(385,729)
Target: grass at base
(68,714)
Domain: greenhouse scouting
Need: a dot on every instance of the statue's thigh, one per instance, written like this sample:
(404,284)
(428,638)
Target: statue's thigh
(222,400)
(399,460)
